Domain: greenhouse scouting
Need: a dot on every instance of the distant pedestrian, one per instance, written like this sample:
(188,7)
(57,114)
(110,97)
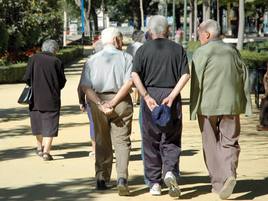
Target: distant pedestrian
(106,82)
(139,38)
(45,73)
(160,71)
(219,94)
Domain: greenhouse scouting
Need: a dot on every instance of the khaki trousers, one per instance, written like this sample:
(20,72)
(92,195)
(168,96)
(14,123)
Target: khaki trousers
(115,130)
(220,136)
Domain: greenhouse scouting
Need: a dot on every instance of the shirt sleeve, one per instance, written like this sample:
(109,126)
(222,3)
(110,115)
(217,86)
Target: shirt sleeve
(85,76)
(27,76)
(184,63)
(137,61)
(62,78)
(129,65)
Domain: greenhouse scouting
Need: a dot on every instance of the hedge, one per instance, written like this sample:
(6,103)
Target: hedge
(13,73)
(253,59)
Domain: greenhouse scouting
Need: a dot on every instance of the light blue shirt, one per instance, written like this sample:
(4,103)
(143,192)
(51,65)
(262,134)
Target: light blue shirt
(107,70)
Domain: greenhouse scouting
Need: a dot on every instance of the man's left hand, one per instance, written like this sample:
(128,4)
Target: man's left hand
(168,101)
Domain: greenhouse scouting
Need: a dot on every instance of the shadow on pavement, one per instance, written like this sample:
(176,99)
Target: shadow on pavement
(73,154)
(79,189)
(21,113)
(23,152)
(13,114)
(26,129)
(251,188)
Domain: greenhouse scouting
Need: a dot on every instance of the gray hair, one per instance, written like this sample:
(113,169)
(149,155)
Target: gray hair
(50,46)
(211,26)
(158,25)
(108,34)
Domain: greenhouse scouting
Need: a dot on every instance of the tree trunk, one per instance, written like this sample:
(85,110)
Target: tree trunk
(229,29)
(191,19)
(241,25)
(218,11)
(195,20)
(142,14)
(88,17)
(95,20)
(206,9)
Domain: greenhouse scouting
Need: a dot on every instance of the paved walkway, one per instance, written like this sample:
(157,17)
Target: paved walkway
(70,177)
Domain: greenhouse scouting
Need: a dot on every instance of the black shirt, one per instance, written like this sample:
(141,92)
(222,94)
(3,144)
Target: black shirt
(45,73)
(160,63)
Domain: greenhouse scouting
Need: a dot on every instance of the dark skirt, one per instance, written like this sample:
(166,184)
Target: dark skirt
(45,123)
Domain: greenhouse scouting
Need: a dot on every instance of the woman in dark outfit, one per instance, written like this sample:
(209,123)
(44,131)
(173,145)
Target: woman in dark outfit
(45,73)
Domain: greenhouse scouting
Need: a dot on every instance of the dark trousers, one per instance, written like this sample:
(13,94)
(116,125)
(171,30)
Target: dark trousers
(162,148)
(220,136)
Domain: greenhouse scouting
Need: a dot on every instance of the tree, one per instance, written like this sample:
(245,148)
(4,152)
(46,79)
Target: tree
(142,14)
(29,22)
(206,9)
(241,27)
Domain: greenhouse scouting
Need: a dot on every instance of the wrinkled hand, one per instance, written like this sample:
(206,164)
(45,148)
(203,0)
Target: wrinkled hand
(151,103)
(168,101)
(82,108)
(105,108)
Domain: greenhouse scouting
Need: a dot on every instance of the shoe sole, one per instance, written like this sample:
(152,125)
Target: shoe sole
(174,190)
(156,194)
(123,190)
(227,188)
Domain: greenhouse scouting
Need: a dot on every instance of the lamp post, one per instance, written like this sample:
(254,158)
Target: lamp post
(174,20)
(82,21)
(64,25)
(184,43)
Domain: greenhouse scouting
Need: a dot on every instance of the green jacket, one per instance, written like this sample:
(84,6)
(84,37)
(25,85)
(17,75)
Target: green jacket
(220,81)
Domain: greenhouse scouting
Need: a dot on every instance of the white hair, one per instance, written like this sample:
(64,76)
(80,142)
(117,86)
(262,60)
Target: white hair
(108,34)
(158,24)
(50,46)
(212,27)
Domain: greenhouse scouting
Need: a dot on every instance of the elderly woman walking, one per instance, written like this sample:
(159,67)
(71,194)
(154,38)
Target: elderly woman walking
(45,73)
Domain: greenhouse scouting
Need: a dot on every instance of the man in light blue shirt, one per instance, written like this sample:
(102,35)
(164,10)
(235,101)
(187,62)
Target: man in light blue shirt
(106,82)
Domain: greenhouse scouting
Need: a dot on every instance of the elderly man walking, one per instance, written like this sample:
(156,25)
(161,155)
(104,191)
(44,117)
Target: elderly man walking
(219,94)
(160,71)
(106,81)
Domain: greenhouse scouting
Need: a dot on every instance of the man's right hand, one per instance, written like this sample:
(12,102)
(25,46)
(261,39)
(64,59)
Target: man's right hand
(105,109)
(151,103)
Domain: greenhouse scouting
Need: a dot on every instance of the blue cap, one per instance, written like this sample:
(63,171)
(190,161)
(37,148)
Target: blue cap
(161,115)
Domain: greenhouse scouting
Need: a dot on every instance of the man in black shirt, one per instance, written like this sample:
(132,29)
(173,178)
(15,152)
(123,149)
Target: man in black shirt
(160,71)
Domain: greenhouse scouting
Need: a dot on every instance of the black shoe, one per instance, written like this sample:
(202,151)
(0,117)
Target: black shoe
(122,187)
(101,185)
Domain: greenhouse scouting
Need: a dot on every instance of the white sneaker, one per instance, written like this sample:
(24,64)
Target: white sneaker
(171,182)
(155,189)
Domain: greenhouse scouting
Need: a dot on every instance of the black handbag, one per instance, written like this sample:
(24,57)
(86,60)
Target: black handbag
(26,95)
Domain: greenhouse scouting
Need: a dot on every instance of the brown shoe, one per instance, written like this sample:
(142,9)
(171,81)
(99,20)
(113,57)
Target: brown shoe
(261,128)
(47,157)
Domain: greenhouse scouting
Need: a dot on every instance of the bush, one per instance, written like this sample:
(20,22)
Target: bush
(4,38)
(69,54)
(254,59)
(192,46)
(13,73)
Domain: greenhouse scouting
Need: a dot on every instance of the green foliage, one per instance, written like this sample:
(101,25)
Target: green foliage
(29,22)
(258,46)
(69,54)
(3,38)
(254,59)
(13,73)
(192,46)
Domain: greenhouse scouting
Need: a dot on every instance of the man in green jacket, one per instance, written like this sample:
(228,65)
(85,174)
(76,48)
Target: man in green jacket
(219,94)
